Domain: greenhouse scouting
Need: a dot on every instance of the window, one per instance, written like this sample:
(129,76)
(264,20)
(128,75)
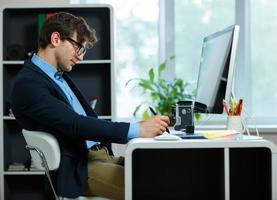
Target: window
(263,58)
(136,47)
(195,19)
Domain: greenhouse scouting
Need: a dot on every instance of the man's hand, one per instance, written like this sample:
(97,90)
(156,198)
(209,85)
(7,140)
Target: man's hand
(154,126)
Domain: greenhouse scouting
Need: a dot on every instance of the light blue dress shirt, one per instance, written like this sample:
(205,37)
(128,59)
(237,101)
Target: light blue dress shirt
(73,100)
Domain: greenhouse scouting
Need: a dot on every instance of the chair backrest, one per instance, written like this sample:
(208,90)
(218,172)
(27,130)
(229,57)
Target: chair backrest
(46,143)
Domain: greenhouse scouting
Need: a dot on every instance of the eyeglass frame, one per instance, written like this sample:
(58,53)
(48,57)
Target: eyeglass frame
(81,50)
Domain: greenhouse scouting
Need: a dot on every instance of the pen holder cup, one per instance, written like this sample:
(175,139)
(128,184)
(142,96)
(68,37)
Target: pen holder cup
(235,123)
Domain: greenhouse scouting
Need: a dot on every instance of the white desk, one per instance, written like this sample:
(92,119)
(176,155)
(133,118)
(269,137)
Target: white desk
(201,169)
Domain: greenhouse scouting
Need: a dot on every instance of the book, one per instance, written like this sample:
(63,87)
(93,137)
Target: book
(17,167)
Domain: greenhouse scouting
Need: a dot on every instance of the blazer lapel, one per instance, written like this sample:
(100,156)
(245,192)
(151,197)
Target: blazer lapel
(33,67)
(89,111)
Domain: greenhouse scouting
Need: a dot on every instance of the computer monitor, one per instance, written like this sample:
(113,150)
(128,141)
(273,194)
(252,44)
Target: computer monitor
(217,67)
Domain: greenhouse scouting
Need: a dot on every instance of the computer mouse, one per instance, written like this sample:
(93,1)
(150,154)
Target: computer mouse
(167,137)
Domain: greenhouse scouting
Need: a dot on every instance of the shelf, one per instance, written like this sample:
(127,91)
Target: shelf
(13,62)
(95,83)
(192,163)
(8,118)
(104,117)
(24,173)
(92,77)
(21,62)
(19,46)
(94,62)
(24,187)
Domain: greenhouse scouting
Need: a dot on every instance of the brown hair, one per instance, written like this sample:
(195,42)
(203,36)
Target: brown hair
(66,24)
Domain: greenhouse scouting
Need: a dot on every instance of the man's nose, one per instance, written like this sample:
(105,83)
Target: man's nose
(80,57)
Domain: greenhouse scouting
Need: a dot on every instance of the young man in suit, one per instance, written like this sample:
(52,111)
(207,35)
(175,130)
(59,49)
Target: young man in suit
(44,98)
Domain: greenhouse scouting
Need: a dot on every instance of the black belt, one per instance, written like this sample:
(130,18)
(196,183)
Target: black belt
(96,147)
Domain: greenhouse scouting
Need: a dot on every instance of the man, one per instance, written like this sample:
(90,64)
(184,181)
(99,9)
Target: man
(44,98)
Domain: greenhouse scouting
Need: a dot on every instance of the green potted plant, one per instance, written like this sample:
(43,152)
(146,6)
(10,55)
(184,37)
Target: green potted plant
(163,94)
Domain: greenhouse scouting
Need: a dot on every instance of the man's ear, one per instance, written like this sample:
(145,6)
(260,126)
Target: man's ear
(55,38)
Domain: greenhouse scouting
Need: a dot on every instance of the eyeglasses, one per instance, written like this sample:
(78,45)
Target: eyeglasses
(80,49)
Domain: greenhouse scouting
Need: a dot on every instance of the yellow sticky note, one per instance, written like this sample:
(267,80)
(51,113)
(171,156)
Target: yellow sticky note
(219,134)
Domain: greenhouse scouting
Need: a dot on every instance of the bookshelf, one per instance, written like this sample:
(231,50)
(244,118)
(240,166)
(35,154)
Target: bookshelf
(93,75)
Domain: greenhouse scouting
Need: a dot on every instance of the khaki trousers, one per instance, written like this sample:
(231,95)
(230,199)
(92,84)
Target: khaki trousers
(105,175)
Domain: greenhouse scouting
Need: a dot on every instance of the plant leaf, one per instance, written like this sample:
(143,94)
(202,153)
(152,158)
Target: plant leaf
(145,84)
(145,115)
(197,116)
(161,68)
(151,74)
(133,79)
(136,110)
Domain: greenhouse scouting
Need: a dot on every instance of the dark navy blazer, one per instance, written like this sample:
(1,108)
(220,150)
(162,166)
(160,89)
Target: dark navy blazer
(39,104)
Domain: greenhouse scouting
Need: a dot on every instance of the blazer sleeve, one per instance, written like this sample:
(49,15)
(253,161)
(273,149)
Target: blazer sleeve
(36,99)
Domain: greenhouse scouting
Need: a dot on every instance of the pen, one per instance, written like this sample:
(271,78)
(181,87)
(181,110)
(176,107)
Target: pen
(225,107)
(154,113)
(239,106)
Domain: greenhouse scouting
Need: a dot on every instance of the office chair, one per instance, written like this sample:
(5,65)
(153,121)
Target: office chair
(46,155)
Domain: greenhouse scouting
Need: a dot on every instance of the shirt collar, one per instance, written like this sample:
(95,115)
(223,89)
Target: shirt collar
(50,70)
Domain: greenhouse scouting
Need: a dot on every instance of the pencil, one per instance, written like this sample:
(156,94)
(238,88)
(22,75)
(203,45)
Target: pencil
(225,107)
(154,113)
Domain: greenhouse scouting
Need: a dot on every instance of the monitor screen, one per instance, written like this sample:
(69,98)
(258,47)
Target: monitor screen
(217,68)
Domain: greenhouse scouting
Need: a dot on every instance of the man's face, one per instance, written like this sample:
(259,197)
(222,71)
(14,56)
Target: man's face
(68,53)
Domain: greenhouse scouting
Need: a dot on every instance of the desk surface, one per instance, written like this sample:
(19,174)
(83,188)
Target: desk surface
(198,143)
